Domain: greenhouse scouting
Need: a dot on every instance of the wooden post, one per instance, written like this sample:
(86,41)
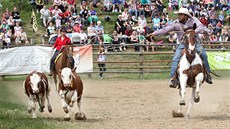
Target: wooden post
(141,59)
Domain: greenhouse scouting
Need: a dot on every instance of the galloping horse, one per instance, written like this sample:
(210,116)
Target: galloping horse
(190,71)
(62,61)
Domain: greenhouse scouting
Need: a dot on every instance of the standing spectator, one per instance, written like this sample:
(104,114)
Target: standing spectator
(16,15)
(101,61)
(45,15)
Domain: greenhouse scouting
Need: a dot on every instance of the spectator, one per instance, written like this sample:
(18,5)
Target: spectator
(77,27)
(116,5)
(107,5)
(6,15)
(212,12)
(71,3)
(119,25)
(83,37)
(143,23)
(50,29)
(203,20)
(95,3)
(101,61)
(134,40)
(64,5)
(16,15)
(10,22)
(163,21)
(45,15)
(4,26)
(7,38)
(69,27)
(156,22)
(116,40)
(221,17)
(225,34)
(125,15)
(23,37)
(57,3)
(92,16)
(91,32)
(213,21)
(132,8)
(58,22)
(39,5)
(56,12)
(99,31)
(67,14)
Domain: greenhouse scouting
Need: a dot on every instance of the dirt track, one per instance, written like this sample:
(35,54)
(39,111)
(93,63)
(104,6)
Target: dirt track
(144,104)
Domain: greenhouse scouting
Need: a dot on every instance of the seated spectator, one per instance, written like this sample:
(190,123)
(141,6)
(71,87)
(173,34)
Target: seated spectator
(45,15)
(163,21)
(160,5)
(165,13)
(135,40)
(212,12)
(117,6)
(10,22)
(58,22)
(71,3)
(93,16)
(56,12)
(6,15)
(95,3)
(140,9)
(228,16)
(64,5)
(67,14)
(213,22)
(225,34)
(77,27)
(133,8)
(50,29)
(147,11)
(119,25)
(57,3)
(7,38)
(143,23)
(107,5)
(203,20)
(125,15)
(99,31)
(17,30)
(221,17)
(144,2)
(69,27)
(175,4)
(23,37)
(224,5)
(91,32)
(16,15)
(83,37)
(156,22)
(116,40)
(204,12)
(4,26)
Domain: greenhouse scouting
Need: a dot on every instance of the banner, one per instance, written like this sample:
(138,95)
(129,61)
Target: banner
(24,60)
(219,60)
(34,21)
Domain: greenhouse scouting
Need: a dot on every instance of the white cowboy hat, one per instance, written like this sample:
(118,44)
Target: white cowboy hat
(183,11)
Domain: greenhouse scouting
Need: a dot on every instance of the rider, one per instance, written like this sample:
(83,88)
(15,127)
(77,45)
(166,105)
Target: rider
(185,20)
(61,41)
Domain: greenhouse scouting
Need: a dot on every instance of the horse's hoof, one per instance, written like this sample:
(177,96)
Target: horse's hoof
(182,102)
(67,119)
(177,114)
(80,116)
(49,109)
(196,100)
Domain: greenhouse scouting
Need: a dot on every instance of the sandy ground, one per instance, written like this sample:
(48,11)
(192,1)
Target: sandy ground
(142,104)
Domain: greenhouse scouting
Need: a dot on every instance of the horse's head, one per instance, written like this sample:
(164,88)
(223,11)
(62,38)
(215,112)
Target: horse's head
(67,76)
(189,39)
(35,79)
(68,49)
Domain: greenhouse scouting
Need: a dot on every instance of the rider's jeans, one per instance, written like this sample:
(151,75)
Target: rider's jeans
(178,54)
(53,59)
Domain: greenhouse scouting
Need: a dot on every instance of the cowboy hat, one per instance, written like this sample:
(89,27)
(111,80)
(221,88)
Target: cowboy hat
(183,11)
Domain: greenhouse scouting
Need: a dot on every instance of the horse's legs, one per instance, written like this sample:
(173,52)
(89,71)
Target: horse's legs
(190,103)
(199,79)
(55,80)
(183,79)
(48,100)
(33,106)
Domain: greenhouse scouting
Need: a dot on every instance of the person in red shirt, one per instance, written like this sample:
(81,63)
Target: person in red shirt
(203,20)
(60,42)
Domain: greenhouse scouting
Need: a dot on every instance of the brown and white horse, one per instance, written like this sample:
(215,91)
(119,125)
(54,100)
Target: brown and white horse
(62,61)
(70,90)
(190,72)
(37,88)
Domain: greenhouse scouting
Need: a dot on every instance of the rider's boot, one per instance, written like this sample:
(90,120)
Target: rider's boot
(173,82)
(208,78)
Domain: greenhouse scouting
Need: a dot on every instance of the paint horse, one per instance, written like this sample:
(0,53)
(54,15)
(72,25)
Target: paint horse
(190,72)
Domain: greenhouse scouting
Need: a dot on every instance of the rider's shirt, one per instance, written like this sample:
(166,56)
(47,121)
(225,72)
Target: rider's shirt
(178,27)
(59,43)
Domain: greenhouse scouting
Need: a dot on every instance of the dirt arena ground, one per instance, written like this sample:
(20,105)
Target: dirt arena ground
(142,104)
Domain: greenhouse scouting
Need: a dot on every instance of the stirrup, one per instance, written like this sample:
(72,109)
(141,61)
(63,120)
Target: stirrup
(173,83)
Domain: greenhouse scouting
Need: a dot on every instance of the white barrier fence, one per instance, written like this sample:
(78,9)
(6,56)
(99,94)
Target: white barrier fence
(24,60)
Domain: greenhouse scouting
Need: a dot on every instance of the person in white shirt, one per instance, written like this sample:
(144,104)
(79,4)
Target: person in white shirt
(56,12)
(83,36)
(45,15)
